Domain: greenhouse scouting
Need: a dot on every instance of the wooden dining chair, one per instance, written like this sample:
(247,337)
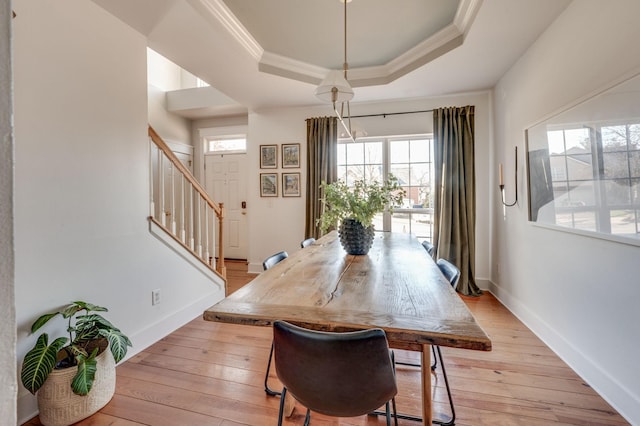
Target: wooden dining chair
(269,263)
(307,242)
(336,374)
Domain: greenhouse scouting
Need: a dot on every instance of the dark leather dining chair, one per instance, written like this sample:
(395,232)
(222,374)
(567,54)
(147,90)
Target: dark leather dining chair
(307,242)
(336,374)
(430,248)
(269,263)
(274,259)
(449,270)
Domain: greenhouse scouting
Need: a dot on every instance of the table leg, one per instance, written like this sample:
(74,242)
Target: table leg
(426,385)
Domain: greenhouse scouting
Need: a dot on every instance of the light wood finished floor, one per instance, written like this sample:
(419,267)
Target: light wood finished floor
(211,374)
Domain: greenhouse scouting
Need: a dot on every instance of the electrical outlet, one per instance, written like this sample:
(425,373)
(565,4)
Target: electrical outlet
(155,297)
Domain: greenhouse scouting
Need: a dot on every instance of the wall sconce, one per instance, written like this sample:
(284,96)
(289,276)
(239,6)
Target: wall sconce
(501,184)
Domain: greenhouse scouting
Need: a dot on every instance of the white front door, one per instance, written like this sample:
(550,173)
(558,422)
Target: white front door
(225,182)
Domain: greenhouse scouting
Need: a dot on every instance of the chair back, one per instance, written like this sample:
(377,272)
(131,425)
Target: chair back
(428,247)
(307,242)
(449,270)
(337,374)
(272,260)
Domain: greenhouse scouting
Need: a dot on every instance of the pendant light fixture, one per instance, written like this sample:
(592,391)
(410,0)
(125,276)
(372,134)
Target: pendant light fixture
(336,89)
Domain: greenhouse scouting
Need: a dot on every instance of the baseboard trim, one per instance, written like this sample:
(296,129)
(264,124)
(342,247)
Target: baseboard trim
(625,402)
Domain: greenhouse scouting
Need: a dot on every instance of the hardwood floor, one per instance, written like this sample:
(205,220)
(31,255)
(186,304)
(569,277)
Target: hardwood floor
(212,374)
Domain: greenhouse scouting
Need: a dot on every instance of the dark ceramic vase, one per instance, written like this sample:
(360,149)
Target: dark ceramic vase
(354,237)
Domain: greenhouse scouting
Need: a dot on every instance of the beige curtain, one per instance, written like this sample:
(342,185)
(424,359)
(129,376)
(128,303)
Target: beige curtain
(455,198)
(322,153)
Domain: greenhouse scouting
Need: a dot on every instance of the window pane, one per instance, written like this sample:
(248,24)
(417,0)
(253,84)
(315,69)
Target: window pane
(420,174)
(402,172)
(419,151)
(342,154)
(373,172)
(558,167)
(615,165)
(585,220)
(579,167)
(555,139)
(618,192)
(355,153)
(399,152)
(577,140)
(634,163)
(353,174)
(614,138)
(624,222)
(581,194)
(373,152)
(635,191)
(634,136)
(226,145)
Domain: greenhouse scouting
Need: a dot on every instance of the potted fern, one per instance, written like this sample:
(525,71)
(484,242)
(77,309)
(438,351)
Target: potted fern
(352,209)
(74,376)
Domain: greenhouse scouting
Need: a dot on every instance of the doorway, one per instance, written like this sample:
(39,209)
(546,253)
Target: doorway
(225,182)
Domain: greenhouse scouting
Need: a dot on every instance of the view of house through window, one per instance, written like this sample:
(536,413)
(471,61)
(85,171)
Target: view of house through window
(595,172)
(410,159)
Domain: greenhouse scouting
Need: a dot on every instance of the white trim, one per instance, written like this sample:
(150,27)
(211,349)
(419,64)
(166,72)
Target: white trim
(591,234)
(162,235)
(219,11)
(438,44)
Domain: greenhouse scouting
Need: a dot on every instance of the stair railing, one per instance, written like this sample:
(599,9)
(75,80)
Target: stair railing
(181,206)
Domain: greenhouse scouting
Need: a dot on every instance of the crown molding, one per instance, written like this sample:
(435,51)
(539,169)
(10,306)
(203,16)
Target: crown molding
(219,11)
(443,41)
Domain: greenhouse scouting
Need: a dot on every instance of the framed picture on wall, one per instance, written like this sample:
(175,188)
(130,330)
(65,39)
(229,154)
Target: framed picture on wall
(268,184)
(268,156)
(290,155)
(291,184)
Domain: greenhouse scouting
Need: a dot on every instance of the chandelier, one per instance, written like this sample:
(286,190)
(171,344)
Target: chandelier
(336,89)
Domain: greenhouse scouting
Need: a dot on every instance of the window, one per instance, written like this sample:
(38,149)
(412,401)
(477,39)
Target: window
(595,173)
(410,159)
(232,144)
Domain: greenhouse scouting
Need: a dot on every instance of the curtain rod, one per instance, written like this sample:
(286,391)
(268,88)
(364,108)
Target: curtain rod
(384,114)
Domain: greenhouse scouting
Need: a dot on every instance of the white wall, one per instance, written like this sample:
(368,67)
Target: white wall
(81,180)
(578,293)
(163,76)
(8,380)
(278,223)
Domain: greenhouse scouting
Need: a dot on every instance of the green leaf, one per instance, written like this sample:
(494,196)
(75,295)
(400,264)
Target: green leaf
(39,362)
(90,306)
(71,310)
(42,321)
(118,343)
(83,380)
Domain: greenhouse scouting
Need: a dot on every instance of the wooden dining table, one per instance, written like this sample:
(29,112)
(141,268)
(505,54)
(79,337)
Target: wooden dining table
(396,287)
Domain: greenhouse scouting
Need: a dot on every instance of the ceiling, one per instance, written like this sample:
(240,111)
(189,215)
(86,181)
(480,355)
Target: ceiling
(264,54)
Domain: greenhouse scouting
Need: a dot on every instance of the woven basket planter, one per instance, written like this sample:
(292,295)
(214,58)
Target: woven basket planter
(59,406)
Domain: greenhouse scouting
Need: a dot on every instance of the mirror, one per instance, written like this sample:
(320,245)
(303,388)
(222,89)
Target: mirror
(583,165)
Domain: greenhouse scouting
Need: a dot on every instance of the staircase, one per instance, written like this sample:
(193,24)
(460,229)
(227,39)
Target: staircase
(181,207)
